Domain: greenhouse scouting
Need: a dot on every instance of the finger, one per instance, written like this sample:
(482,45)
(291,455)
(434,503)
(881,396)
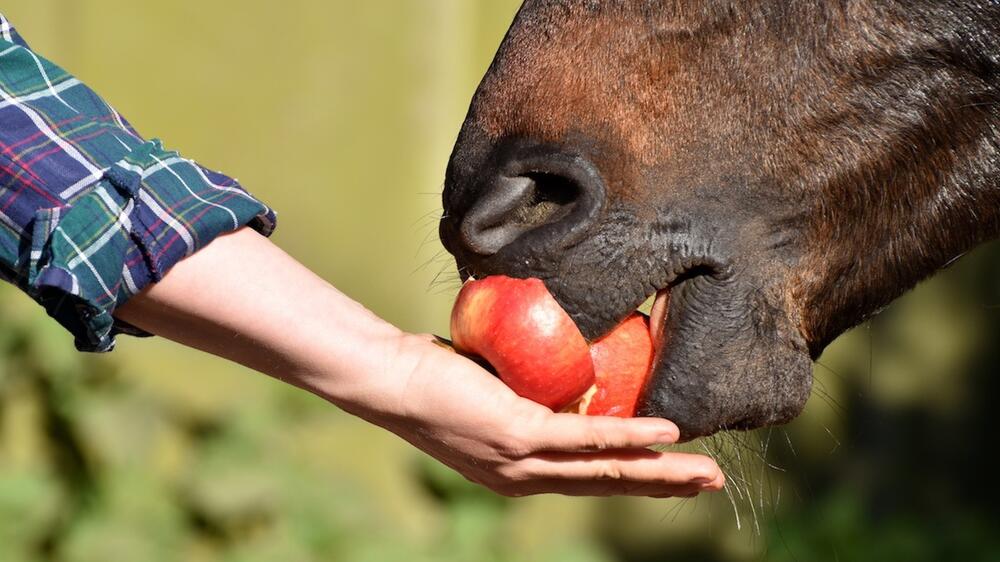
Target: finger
(719,483)
(631,465)
(573,432)
(600,489)
(684,492)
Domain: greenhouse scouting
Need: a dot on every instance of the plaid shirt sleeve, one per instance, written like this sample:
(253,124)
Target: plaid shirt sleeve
(91,212)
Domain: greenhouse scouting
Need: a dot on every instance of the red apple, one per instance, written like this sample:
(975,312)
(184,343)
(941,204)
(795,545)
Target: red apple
(520,329)
(622,361)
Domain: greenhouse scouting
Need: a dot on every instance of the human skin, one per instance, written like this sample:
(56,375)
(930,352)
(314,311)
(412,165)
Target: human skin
(244,299)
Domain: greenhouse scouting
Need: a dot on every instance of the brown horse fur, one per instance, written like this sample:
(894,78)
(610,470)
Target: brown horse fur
(786,168)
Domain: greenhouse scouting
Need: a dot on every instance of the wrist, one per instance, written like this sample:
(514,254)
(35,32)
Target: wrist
(399,387)
(361,367)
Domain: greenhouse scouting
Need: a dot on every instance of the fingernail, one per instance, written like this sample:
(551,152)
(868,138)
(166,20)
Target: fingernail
(667,438)
(669,433)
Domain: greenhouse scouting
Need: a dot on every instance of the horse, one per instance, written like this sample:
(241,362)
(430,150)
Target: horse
(779,172)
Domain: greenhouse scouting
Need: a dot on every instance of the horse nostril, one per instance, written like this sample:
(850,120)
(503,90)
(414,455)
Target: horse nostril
(553,198)
(514,206)
(565,199)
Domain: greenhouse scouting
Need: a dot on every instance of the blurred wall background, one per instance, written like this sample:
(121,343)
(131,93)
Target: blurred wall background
(341,115)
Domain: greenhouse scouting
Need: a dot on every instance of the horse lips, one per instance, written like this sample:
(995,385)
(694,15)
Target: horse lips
(518,327)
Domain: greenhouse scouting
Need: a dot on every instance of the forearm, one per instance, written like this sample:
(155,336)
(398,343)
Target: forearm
(244,299)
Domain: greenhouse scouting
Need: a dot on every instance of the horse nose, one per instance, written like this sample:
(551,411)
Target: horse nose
(555,197)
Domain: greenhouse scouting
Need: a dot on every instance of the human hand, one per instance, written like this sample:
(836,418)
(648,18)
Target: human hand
(451,408)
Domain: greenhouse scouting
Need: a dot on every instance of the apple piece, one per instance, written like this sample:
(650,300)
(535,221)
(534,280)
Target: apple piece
(622,363)
(520,329)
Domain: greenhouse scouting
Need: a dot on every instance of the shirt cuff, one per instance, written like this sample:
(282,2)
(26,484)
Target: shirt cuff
(149,211)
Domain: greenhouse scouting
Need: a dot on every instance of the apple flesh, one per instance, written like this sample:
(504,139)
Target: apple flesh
(520,329)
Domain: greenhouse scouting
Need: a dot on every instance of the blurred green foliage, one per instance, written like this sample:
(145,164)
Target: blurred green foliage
(341,115)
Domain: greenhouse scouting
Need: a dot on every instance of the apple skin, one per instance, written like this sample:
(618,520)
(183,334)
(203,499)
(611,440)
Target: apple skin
(622,363)
(520,329)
